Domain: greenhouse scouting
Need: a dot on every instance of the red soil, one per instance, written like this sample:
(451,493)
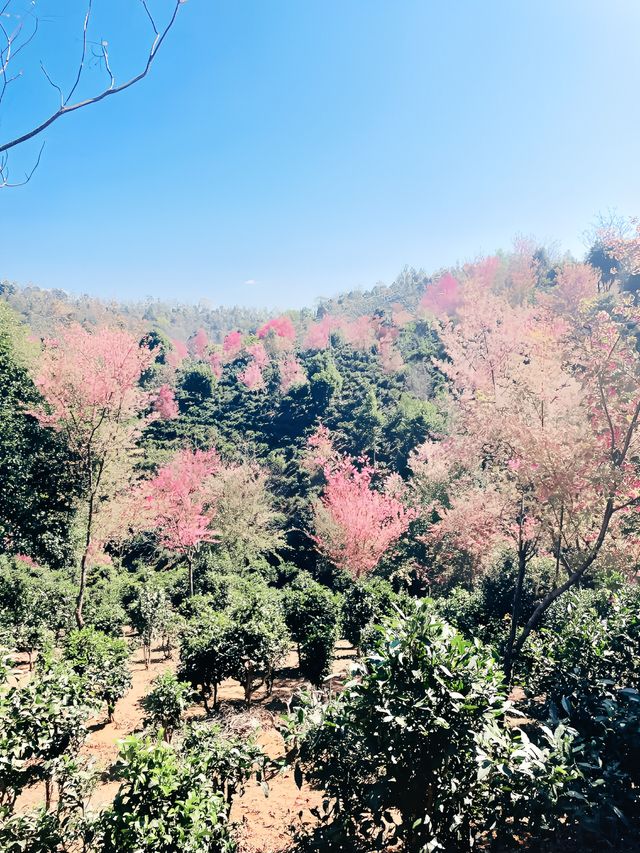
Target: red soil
(265,822)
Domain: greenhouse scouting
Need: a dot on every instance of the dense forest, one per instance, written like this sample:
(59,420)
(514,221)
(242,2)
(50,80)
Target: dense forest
(409,514)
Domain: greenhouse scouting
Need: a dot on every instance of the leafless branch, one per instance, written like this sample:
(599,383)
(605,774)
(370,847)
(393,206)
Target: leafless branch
(46,74)
(84,53)
(9,48)
(5,182)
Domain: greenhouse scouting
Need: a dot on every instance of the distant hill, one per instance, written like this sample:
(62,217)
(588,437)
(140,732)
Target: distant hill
(43,309)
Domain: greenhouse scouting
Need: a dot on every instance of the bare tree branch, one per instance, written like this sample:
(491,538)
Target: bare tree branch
(4,171)
(9,48)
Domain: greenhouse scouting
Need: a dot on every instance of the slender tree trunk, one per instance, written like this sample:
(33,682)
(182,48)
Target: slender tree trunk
(83,564)
(515,612)
(190,564)
(81,591)
(572,580)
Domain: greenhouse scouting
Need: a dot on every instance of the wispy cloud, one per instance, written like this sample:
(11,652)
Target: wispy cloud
(251,281)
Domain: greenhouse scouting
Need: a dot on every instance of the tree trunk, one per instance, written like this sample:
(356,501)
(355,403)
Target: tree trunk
(81,589)
(190,564)
(515,613)
(83,564)
(572,580)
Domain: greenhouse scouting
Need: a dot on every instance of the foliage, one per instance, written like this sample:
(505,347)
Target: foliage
(411,749)
(90,382)
(546,419)
(248,527)
(40,721)
(206,654)
(228,761)
(102,663)
(485,610)
(164,803)
(36,500)
(354,523)
(364,602)
(258,637)
(150,615)
(165,704)
(311,613)
(180,505)
(590,643)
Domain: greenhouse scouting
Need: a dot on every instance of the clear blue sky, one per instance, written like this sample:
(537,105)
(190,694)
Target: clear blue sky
(286,149)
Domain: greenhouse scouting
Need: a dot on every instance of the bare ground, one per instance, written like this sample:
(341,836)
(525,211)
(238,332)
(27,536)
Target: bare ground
(265,823)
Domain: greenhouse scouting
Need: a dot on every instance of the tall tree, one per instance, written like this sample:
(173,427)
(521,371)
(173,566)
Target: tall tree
(545,428)
(180,503)
(90,382)
(36,489)
(355,524)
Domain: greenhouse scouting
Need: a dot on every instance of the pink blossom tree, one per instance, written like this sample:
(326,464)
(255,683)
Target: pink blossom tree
(281,327)
(356,524)
(90,382)
(165,404)
(292,373)
(198,344)
(179,503)
(546,407)
(232,345)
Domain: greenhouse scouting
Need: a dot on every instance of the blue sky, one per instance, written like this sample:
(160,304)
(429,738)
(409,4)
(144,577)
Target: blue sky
(287,149)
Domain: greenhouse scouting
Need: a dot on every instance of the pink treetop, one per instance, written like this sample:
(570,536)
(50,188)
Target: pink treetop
(198,344)
(177,501)
(291,373)
(361,332)
(232,345)
(165,403)
(216,362)
(282,327)
(177,354)
(545,427)
(91,385)
(252,376)
(355,524)
(441,297)
(318,333)
(259,354)
(90,380)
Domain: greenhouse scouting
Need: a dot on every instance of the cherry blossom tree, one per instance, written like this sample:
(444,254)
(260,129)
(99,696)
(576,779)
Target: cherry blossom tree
(356,524)
(165,404)
(281,327)
(232,345)
(541,454)
(90,382)
(199,343)
(292,373)
(180,506)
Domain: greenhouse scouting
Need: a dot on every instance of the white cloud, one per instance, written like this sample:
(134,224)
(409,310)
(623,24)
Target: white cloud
(251,281)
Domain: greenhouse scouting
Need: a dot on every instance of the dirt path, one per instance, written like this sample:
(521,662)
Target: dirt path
(264,821)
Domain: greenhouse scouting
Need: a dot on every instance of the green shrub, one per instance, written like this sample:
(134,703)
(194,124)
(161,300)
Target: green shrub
(165,804)
(590,641)
(206,654)
(364,602)
(39,722)
(104,610)
(258,636)
(311,614)
(413,750)
(149,615)
(102,662)
(227,761)
(485,612)
(166,703)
